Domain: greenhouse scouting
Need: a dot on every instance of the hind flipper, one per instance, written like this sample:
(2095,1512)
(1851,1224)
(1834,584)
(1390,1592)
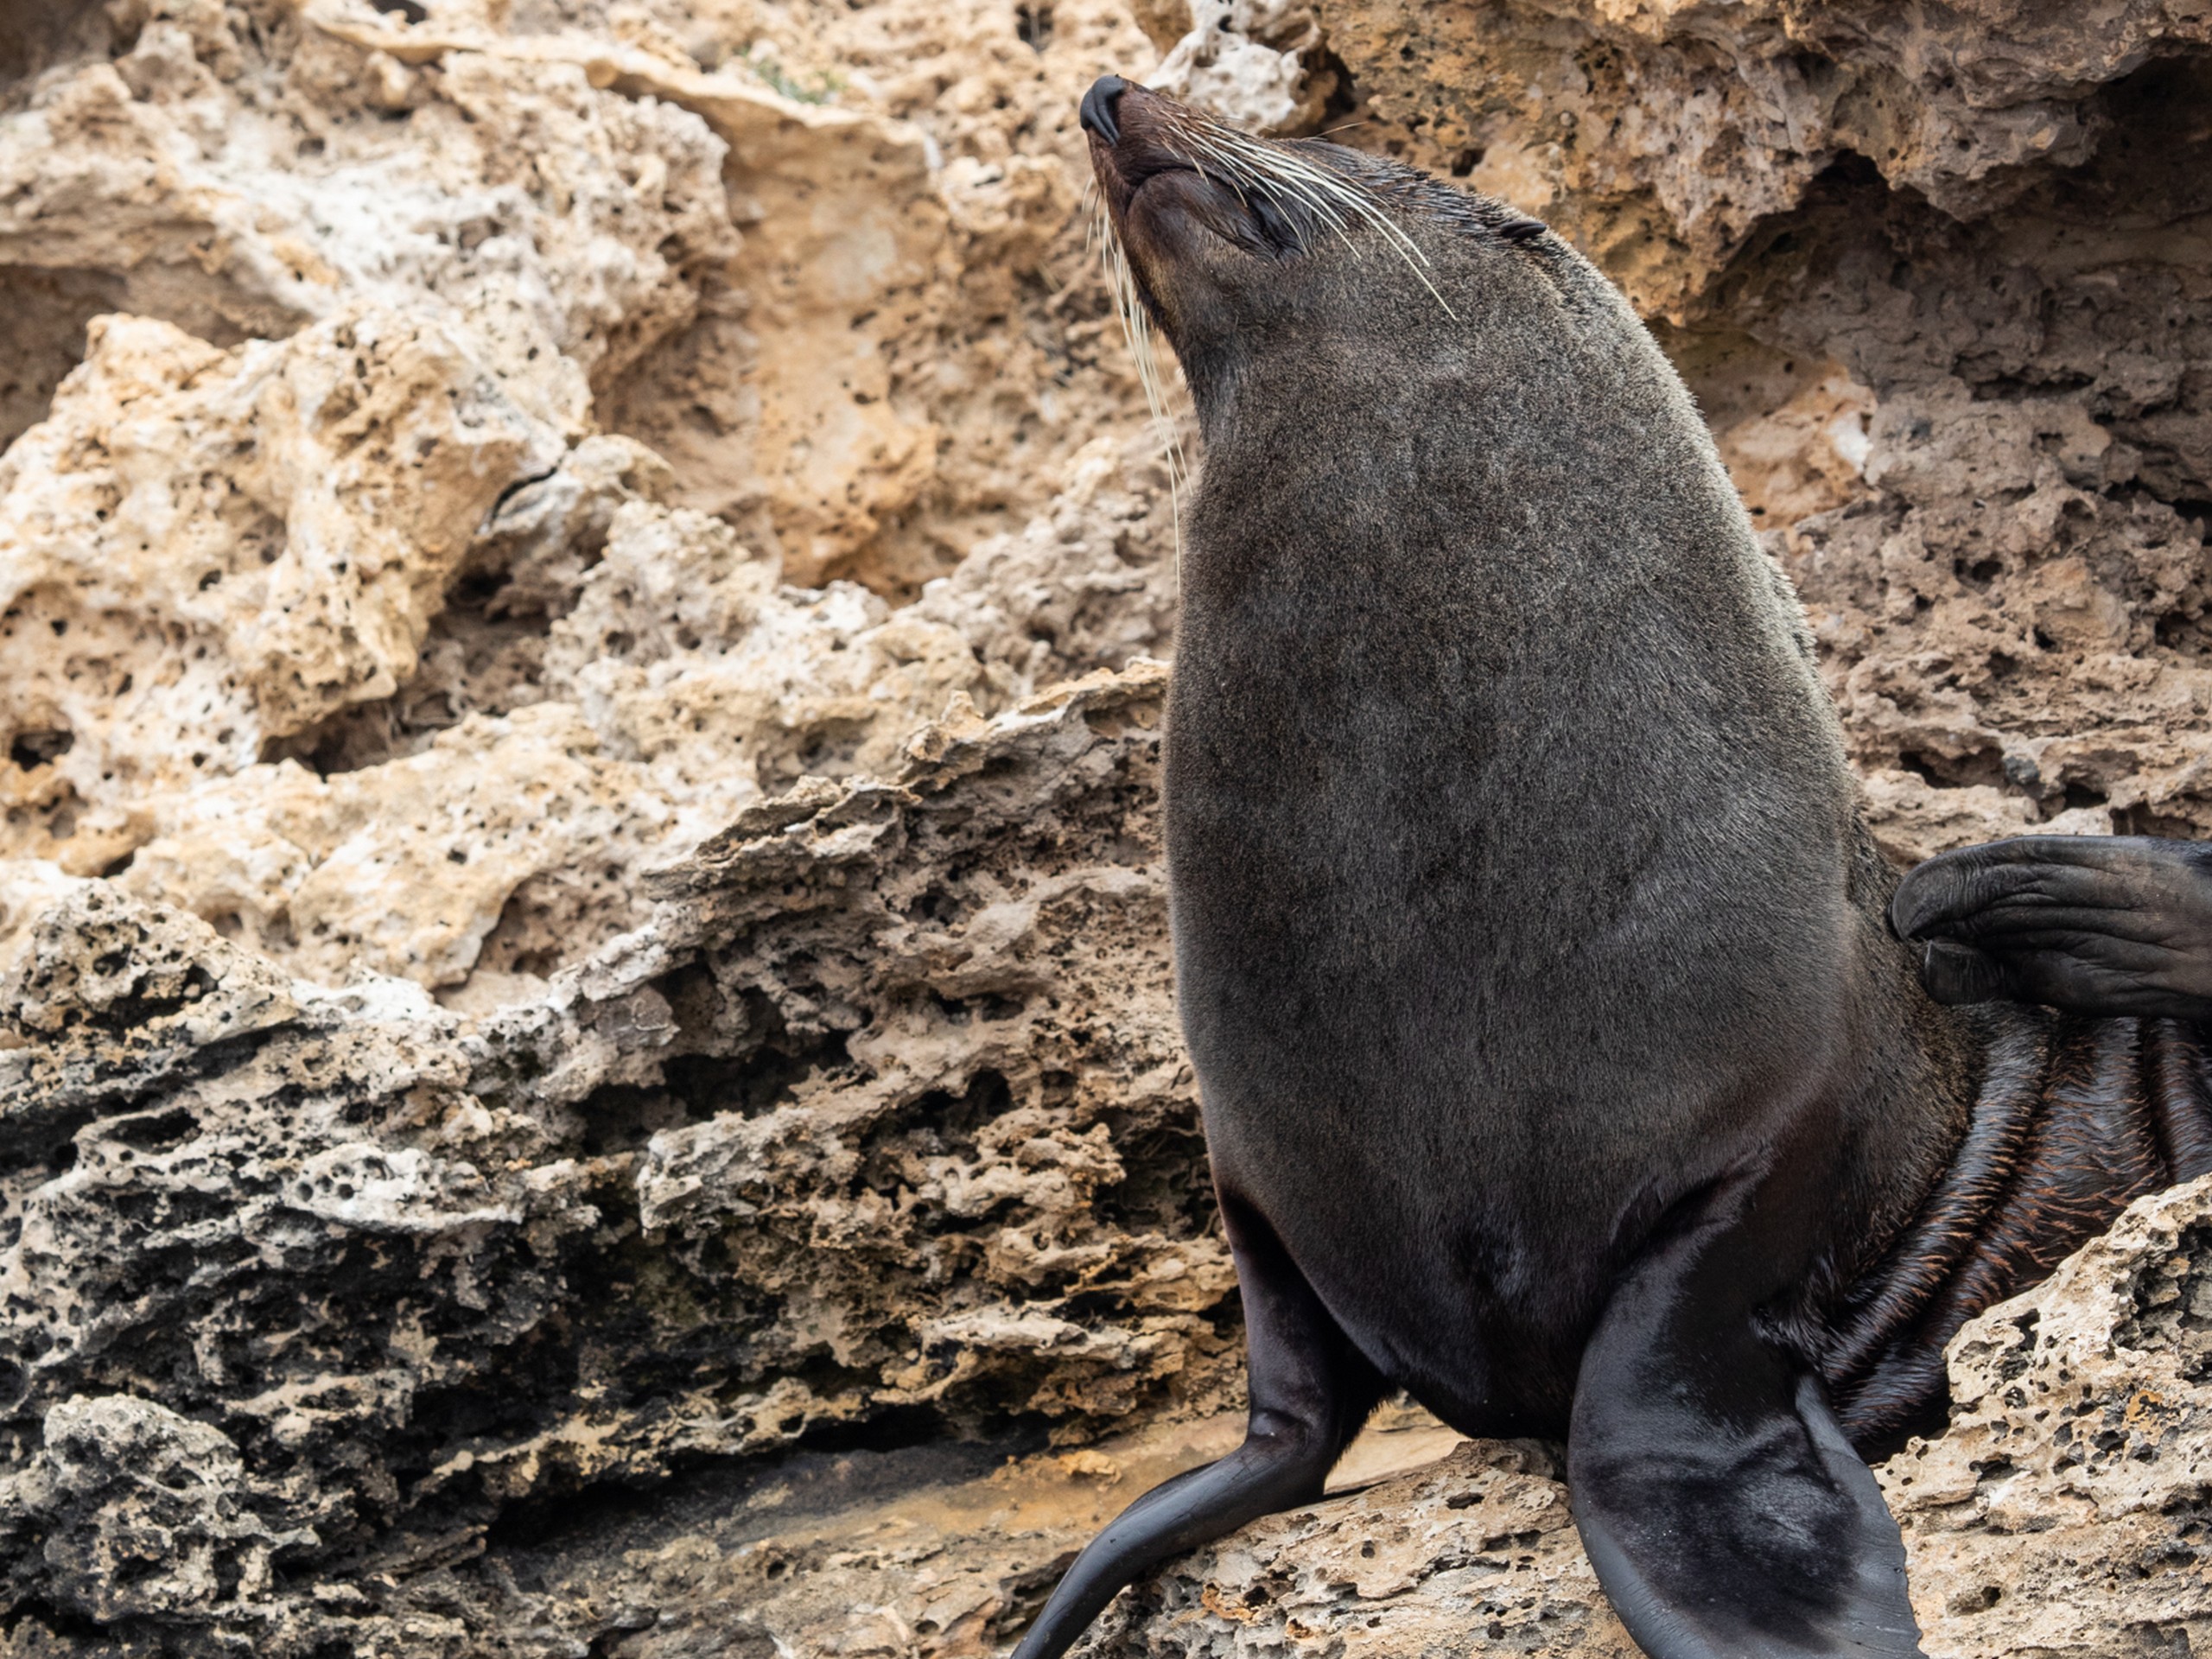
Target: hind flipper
(2093,925)
(1310,1391)
(1723,1509)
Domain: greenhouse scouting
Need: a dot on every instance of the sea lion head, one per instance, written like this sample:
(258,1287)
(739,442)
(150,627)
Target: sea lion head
(1249,254)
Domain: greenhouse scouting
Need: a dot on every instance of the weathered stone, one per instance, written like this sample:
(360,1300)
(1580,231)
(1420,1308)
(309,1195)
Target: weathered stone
(785,1229)
(203,551)
(362,547)
(883,1113)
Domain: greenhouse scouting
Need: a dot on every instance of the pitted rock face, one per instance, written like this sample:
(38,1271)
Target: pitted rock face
(151,1512)
(880,1125)
(342,602)
(337,1317)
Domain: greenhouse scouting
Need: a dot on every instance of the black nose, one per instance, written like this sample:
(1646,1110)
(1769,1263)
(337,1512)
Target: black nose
(1099,105)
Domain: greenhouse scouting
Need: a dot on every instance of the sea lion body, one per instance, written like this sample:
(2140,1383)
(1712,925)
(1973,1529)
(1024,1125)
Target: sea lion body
(1470,1022)
(1558,1065)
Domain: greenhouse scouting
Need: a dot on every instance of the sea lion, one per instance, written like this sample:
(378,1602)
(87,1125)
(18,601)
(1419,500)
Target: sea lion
(1559,1064)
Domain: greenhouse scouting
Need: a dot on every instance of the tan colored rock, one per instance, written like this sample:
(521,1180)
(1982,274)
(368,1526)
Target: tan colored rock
(548,205)
(683,682)
(202,551)
(883,1112)
(1164,22)
(1088,584)
(569,226)
(692,685)
(1256,63)
(915,340)
(687,654)
(1805,455)
(1648,122)
(842,217)
(402,868)
(2059,1513)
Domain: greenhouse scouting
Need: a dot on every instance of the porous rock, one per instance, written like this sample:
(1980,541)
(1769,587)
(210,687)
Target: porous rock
(1257,63)
(206,550)
(882,1114)
(354,639)
(605,1083)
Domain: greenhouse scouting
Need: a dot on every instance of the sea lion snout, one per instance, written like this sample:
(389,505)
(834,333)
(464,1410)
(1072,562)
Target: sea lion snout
(1131,129)
(1098,112)
(1212,232)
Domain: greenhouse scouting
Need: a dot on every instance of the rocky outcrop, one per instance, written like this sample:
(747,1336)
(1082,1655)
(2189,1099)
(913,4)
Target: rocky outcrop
(326,613)
(882,1119)
(586,1055)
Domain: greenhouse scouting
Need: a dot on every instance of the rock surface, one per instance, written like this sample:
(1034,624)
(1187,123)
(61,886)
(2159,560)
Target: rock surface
(586,1056)
(882,1118)
(327,614)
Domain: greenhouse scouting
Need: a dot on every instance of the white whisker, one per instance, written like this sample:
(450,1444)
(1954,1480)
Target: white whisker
(1136,329)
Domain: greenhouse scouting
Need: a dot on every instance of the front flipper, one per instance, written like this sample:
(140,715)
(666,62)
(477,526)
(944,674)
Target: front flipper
(2094,925)
(1310,1391)
(1722,1508)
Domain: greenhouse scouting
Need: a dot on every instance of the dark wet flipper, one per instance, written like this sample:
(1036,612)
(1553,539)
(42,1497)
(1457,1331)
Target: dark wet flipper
(2091,925)
(1723,1509)
(1310,1392)
(1955,973)
(1260,1478)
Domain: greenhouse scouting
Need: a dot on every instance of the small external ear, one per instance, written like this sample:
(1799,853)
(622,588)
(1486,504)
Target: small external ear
(1520,230)
(2092,924)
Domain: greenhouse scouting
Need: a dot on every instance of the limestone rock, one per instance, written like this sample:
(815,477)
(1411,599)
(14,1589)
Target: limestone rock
(2062,1512)
(335,638)
(605,1083)
(201,552)
(1655,114)
(882,1114)
(684,684)
(241,178)
(1256,63)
